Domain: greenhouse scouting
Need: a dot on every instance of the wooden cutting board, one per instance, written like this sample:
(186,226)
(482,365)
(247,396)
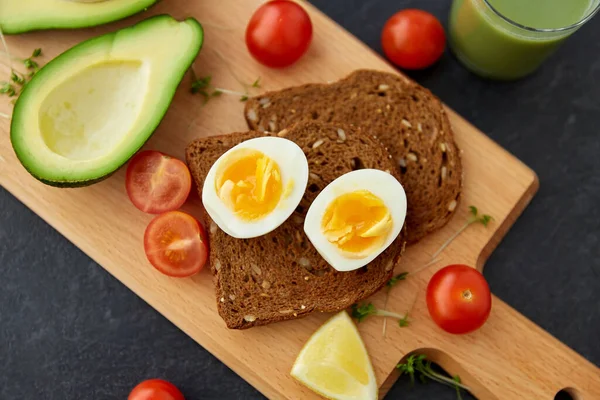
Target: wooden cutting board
(509,358)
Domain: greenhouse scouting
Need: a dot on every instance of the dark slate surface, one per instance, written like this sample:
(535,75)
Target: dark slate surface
(68,330)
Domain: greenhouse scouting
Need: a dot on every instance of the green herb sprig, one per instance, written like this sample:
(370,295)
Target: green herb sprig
(30,63)
(418,363)
(203,87)
(395,279)
(404,322)
(7,89)
(18,80)
(474,218)
(361,311)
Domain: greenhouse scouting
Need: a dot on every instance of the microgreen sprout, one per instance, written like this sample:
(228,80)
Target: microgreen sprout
(18,80)
(395,279)
(203,87)
(474,218)
(7,89)
(32,64)
(361,311)
(404,321)
(418,363)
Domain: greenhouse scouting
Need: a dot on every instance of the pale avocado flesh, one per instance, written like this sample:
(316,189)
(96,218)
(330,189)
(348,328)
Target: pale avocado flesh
(86,112)
(17,16)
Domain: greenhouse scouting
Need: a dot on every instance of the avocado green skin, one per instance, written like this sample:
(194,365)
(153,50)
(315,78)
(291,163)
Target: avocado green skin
(29,90)
(73,22)
(75,184)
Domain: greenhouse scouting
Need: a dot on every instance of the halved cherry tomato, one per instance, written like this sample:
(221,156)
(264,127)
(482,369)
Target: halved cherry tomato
(279,33)
(155,389)
(157,183)
(459,299)
(176,244)
(413,39)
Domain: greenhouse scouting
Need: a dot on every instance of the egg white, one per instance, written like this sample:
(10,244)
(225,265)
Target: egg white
(382,185)
(293,166)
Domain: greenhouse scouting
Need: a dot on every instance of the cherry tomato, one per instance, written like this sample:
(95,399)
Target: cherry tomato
(157,183)
(155,389)
(459,299)
(279,33)
(413,39)
(176,244)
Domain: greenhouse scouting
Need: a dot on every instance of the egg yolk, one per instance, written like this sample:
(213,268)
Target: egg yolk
(358,223)
(250,184)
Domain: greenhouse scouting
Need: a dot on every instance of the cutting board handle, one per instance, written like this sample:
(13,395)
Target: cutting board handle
(514,359)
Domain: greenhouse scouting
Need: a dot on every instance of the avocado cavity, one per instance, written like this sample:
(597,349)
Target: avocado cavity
(85,117)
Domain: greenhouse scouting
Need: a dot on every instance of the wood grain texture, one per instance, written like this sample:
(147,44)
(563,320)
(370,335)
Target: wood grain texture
(509,358)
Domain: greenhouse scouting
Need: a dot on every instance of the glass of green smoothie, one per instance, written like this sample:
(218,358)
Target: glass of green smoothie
(508,39)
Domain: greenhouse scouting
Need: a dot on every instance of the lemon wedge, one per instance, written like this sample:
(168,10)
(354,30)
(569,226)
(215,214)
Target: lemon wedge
(334,362)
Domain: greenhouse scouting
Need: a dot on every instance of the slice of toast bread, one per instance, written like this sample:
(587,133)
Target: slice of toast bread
(408,120)
(280,276)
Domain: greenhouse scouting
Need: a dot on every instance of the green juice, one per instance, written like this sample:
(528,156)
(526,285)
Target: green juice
(493,47)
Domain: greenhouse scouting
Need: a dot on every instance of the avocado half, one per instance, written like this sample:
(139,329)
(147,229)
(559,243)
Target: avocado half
(17,16)
(86,112)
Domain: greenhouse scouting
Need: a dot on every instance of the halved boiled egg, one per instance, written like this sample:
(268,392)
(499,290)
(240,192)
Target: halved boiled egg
(356,217)
(255,186)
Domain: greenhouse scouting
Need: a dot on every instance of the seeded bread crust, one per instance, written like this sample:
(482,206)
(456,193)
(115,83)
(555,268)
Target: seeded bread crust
(408,120)
(280,276)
